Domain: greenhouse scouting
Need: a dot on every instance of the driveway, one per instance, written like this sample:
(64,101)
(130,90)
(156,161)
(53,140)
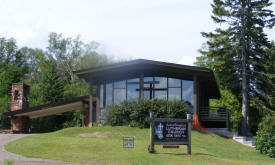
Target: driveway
(21,160)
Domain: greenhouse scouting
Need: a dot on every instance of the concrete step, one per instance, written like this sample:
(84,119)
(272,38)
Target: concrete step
(248,141)
(222,132)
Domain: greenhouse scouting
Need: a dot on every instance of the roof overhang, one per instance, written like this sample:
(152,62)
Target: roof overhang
(50,109)
(133,69)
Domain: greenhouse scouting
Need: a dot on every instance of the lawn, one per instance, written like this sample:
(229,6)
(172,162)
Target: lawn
(103,145)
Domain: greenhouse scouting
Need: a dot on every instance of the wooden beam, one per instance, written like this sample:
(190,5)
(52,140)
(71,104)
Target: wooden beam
(91,106)
(147,82)
(83,113)
(97,102)
(196,95)
(141,86)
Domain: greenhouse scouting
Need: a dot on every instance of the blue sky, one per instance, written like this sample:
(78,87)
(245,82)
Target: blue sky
(164,30)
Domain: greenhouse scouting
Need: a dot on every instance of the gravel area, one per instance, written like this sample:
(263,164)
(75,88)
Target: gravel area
(21,160)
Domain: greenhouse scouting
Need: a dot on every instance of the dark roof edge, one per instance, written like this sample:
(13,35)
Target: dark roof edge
(36,108)
(109,66)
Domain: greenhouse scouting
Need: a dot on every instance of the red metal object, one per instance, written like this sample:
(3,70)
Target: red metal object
(197,125)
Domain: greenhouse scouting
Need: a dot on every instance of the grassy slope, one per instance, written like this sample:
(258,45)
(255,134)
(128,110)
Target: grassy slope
(65,145)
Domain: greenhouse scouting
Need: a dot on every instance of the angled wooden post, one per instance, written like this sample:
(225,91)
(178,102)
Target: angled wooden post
(196,95)
(83,114)
(91,106)
(151,147)
(189,125)
(97,103)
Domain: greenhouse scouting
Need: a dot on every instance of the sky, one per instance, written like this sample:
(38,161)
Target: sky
(163,30)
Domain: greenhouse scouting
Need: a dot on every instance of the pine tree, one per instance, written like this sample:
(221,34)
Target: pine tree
(236,53)
(52,86)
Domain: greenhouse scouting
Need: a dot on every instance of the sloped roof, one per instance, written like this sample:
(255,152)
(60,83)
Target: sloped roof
(50,109)
(133,69)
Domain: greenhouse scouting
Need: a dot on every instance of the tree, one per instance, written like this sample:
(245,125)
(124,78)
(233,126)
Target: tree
(52,86)
(12,65)
(66,51)
(236,53)
(13,68)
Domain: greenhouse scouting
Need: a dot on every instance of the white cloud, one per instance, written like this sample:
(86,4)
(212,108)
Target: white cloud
(187,60)
(36,36)
(168,30)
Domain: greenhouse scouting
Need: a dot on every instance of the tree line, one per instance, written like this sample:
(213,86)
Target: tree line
(49,72)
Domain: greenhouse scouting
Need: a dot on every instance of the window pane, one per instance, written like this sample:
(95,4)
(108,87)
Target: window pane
(102,115)
(119,95)
(146,94)
(172,82)
(109,94)
(187,91)
(148,79)
(101,95)
(132,93)
(174,94)
(133,80)
(120,84)
(162,82)
(161,95)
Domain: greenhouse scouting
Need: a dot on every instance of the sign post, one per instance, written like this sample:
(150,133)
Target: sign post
(189,120)
(167,131)
(151,147)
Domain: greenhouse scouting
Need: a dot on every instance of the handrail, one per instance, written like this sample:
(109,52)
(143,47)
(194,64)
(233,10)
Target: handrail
(213,113)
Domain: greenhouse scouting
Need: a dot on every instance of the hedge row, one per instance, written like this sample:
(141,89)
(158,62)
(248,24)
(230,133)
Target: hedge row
(135,113)
(265,139)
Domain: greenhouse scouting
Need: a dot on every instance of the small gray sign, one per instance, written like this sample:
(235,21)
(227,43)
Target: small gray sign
(128,142)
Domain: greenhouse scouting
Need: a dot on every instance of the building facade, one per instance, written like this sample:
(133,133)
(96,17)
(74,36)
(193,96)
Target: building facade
(133,80)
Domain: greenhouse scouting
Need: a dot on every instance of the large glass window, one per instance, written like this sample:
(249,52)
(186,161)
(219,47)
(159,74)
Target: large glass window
(119,95)
(174,94)
(119,91)
(174,89)
(101,96)
(154,87)
(133,89)
(148,88)
(120,84)
(187,91)
(172,82)
(161,88)
(109,94)
(162,82)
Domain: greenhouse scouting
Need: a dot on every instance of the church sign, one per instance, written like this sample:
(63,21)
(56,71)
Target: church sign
(170,132)
(167,131)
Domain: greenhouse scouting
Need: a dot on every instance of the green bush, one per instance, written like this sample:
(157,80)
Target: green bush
(233,106)
(8,161)
(135,113)
(265,139)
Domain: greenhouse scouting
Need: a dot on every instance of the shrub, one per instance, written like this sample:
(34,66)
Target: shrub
(265,139)
(233,106)
(135,113)
(8,161)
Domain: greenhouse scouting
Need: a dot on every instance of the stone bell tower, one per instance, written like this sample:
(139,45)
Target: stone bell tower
(20,94)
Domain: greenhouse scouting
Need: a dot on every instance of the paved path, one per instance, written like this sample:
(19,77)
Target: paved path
(21,160)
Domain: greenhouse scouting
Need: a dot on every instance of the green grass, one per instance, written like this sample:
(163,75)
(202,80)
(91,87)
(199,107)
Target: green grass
(66,145)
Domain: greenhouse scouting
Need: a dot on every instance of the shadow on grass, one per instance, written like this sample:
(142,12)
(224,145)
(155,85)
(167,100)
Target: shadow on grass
(199,131)
(202,132)
(169,153)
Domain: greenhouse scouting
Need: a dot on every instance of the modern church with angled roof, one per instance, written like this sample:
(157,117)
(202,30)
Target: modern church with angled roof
(131,81)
